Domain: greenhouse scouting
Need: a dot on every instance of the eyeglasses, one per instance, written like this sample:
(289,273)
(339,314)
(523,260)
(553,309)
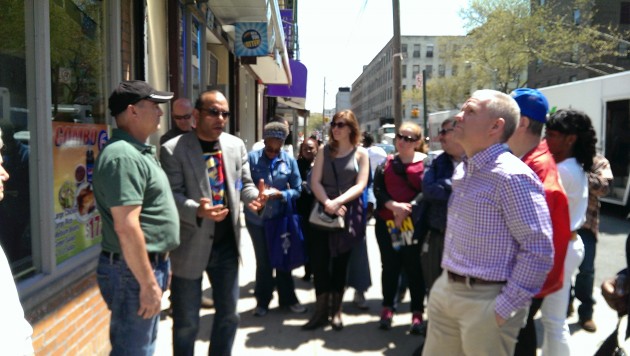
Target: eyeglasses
(443,132)
(182,117)
(216,113)
(340,125)
(407,138)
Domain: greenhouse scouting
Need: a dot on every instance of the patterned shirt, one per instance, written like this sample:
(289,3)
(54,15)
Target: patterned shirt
(599,180)
(213,156)
(498,227)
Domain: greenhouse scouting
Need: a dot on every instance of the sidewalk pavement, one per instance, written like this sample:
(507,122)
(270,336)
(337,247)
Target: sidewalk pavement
(279,332)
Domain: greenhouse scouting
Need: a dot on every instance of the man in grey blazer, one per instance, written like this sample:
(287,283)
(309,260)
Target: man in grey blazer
(209,174)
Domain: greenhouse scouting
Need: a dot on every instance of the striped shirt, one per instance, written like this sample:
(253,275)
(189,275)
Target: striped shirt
(499,227)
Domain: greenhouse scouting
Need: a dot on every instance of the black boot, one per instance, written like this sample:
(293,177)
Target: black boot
(335,311)
(320,316)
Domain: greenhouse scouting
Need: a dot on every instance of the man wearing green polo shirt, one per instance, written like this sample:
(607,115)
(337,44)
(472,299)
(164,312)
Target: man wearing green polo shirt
(140,220)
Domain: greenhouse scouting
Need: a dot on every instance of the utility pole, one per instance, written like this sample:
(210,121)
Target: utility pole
(425,114)
(397,59)
(324,111)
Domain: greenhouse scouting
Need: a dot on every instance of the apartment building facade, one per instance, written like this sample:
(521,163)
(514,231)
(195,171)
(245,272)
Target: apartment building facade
(372,97)
(615,13)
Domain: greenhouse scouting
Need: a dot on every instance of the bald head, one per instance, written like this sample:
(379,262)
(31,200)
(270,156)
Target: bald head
(182,114)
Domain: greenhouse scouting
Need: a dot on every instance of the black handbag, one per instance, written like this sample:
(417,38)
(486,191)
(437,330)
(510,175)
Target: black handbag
(611,347)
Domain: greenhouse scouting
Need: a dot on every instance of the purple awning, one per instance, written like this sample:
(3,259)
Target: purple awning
(297,89)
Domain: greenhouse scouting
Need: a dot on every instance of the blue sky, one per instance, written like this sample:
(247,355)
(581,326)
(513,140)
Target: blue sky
(339,37)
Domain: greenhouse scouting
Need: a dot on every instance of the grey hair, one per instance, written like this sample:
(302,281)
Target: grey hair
(502,105)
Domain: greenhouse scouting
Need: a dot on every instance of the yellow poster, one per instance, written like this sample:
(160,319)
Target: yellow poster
(77,221)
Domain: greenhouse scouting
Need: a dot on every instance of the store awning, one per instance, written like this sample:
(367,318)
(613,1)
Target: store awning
(293,95)
(272,68)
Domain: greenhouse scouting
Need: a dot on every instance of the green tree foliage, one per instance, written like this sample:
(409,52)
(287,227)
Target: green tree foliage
(314,124)
(76,45)
(12,29)
(505,36)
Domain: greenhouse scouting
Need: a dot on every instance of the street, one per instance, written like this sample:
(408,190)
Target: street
(279,331)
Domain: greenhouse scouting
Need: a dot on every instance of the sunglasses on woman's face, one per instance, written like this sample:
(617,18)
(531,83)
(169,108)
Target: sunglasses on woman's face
(339,125)
(407,138)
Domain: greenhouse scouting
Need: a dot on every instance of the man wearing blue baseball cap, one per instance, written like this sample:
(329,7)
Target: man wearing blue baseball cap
(527,144)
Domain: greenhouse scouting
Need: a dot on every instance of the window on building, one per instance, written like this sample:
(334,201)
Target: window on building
(15,209)
(441,70)
(78,88)
(195,55)
(416,70)
(416,51)
(430,51)
(429,71)
(624,13)
(623,50)
(403,49)
(454,70)
(76,115)
(576,16)
(442,49)
(403,69)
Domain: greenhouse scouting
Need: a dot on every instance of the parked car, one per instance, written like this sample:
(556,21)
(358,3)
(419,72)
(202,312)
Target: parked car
(389,149)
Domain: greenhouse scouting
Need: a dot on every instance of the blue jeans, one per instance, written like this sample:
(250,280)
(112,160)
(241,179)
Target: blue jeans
(265,281)
(586,276)
(186,299)
(129,333)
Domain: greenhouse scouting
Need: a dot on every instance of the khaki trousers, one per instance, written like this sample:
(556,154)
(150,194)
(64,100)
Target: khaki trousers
(462,321)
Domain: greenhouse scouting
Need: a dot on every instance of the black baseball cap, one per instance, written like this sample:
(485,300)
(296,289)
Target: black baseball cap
(131,92)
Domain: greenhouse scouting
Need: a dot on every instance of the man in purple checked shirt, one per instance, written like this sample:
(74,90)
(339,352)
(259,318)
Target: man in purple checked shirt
(498,241)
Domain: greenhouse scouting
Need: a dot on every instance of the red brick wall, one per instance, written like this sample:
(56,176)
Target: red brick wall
(74,323)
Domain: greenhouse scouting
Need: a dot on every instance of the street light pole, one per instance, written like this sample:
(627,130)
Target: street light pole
(425,115)
(397,59)
(324,111)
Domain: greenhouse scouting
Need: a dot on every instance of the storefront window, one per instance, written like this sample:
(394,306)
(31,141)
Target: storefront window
(15,231)
(79,112)
(195,55)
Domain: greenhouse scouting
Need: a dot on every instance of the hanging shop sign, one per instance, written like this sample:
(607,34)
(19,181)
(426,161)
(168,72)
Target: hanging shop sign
(251,39)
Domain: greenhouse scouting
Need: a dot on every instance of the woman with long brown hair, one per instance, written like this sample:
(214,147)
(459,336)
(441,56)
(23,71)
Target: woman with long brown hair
(339,176)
